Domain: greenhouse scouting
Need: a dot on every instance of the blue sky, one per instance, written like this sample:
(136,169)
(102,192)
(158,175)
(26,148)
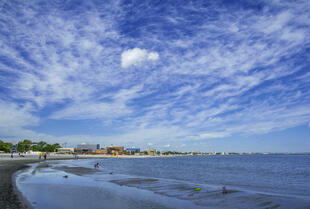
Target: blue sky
(178,75)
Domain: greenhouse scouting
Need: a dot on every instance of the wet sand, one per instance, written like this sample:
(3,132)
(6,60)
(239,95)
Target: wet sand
(10,197)
(117,197)
(71,192)
(177,192)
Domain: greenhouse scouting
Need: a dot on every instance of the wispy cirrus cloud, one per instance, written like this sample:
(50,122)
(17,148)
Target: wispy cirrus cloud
(221,69)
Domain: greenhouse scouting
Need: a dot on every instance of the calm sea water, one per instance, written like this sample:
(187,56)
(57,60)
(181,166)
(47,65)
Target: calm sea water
(254,181)
(279,174)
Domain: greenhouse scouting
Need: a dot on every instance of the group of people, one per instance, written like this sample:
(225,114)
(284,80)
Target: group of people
(43,155)
(18,155)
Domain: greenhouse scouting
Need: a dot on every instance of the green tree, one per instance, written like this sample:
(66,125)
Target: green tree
(39,146)
(56,146)
(51,147)
(24,146)
(6,147)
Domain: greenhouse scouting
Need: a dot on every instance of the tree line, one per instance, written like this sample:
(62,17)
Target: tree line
(28,145)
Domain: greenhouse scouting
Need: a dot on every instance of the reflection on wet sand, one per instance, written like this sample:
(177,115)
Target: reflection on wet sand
(95,182)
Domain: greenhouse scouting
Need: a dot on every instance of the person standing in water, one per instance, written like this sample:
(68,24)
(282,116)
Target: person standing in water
(96,165)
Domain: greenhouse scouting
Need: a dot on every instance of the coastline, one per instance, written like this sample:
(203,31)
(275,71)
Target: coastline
(10,196)
(25,204)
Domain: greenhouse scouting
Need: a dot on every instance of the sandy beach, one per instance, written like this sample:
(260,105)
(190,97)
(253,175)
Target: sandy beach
(10,197)
(66,183)
(69,187)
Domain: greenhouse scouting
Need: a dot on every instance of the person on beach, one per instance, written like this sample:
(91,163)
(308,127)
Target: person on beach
(11,154)
(96,165)
(45,155)
(224,190)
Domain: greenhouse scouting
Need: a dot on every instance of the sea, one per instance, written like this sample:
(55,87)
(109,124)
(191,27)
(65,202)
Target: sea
(250,181)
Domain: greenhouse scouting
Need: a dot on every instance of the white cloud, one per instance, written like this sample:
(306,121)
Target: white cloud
(234,82)
(153,56)
(13,116)
(210,135)
(137,56)
(113,109)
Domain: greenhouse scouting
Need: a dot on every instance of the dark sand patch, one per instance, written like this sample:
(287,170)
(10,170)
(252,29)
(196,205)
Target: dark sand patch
(134,181)
(10,198)
(79,171)
(274,207)
(177,190)
(265,203)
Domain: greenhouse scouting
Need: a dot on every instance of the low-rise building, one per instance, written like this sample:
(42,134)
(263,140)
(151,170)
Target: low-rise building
(101,151)
(195,153)
(150,151)
(132,151)
(87,147)
(115,150)
(65,150)
(14,147)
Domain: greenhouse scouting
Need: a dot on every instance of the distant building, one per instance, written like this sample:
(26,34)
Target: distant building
(65,150)
(101,151)
(33,152)
(115,150)
(14,148)
(196,153)
(132,151)
(150,151)
(87,147)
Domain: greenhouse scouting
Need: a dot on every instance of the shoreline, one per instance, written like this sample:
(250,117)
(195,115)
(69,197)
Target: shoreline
(23,200)
(10,196)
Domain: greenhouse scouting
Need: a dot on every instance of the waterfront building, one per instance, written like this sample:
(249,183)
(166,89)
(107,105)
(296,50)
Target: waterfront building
(150,151)
(132,151)
(65,150)
(87,147)
(101,151)
(195,153)
(115,150)
(14,147)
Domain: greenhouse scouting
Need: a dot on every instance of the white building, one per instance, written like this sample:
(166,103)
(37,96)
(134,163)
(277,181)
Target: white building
(65,150)
(88,147)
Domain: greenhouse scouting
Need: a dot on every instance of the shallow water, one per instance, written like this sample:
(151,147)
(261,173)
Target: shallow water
(253,181)
(279,174)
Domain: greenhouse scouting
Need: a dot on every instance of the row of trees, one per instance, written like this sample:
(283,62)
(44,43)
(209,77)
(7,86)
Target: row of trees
(174,153)
(5,146)
(27,145)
